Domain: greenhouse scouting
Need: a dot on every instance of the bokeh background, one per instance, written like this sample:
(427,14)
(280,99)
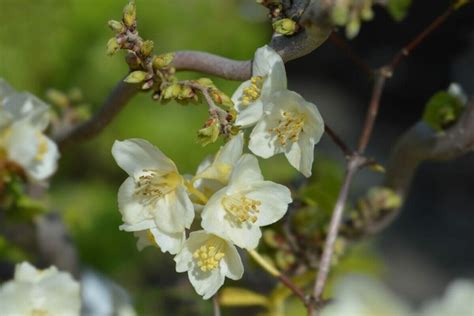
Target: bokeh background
(61,44)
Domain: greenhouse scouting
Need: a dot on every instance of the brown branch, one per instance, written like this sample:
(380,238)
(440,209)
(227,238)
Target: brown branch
(346,150)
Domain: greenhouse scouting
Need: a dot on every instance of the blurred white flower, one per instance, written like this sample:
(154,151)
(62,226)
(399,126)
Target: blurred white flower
(363,296)
(458,301)
(23,120)
(457,91)
(40,292)
(290,125)
(237,211)
(154,196)
(208,259)
(268,76)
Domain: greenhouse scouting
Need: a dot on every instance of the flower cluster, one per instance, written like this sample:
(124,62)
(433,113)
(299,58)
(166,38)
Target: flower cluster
(40,292)
(228,198)
(23,120)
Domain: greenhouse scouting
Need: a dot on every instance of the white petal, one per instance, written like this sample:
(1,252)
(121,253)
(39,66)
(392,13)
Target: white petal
(301,155)
(174,212)
(22,143)
(206,283)
(231,264)
(246,171)
(250,115)
(43,168)
(274,198)
(262,142)
(134,214)
(184,259)
(265,60)
(216,220)
(231,152)
(5,89)
(25,106)
(135,155)
(171,243)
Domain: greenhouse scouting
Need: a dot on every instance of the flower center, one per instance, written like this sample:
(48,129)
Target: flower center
(289,127)
(250,94)
(152,186)
(241,207)
(42,146)
(209,255)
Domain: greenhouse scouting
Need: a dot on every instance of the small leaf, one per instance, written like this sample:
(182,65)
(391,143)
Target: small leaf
(398,9)
(234,296)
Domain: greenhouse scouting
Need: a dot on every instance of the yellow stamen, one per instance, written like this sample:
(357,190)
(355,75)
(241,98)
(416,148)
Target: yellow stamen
(241,208)
(152,186)
(252,93)
(289,127)
(209,255)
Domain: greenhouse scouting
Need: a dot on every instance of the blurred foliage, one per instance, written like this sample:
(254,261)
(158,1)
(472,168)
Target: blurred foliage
(398,9)
(442,110)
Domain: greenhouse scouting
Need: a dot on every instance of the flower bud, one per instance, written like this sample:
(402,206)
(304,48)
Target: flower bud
(130,14)
(221,98)
(285,26)
(57,97)
(147,48)
(116,26)
(210,133)
(112,46)
(162,61)
(172,91)
(136,76)
(147,85)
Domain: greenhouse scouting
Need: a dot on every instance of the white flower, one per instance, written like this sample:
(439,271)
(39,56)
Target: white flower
(458,301)
(170,242)
(269,76)
(214,172)
(23,121)
(208,259)
(40,292)
(237,211)
(154,196)
(362,296)
(291,126)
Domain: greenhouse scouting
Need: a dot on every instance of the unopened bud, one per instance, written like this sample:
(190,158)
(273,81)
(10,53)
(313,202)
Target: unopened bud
(171,91)
(221,98)
(57,97)
(130,14)
(147,48)
(112,46)
(162,61)
(136,76)
(285,26)
(210,133)
(116,26)
(147,85)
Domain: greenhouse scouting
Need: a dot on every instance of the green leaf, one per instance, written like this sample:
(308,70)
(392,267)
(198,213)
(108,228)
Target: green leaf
(398,9)
(442,110)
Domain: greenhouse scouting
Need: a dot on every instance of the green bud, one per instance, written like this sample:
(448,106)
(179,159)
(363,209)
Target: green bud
(284,259)
(206,82)
(383,198)
(116,26)
(112,46)
(377,168)
(75,94)
(442,110)
(162,61)
(147,48)
(186,93)
(130,14)
(221,98)
(367,13)
(285,26)
(58,98)
(209,134)
(172,91)
(136,76)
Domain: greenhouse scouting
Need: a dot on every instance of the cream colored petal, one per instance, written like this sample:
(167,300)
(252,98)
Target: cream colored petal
(135,155)
(174,212)
(245,172)
(301,155)
(45,164)
(25,106)
(274,200)
(231,264)
(262,142)
(135,215)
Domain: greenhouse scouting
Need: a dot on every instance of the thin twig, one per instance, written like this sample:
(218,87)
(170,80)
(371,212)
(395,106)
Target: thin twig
(215,305)
(338,140)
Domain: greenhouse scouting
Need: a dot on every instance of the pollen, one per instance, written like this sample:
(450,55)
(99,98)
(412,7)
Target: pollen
(152,186)
(289,127)
(252,93)
(208,256)
(242,208)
